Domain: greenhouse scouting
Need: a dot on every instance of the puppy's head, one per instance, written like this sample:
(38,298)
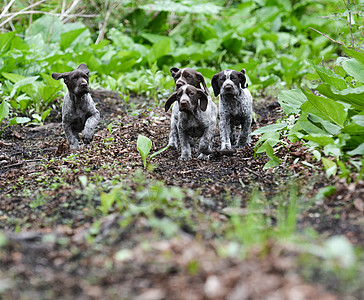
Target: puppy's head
(228,82)
(76,81)
(188,98)
(188,76)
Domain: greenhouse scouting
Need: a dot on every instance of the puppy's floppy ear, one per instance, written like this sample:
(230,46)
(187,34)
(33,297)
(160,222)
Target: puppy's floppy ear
(215,84)
(83,68)
(203,100)
(202,80)
(174,71)
(58,76)
(242,79)
(170,101)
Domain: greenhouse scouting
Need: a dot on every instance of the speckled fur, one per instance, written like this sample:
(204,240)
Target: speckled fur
(79,114)
(193,115)
(235,108)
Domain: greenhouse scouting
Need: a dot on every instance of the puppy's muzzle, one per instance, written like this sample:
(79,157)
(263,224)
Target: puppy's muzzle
(179,83)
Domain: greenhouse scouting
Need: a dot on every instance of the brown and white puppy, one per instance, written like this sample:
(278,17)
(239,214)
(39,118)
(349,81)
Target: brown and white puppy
(188,76)
(193,115)
(79,113)
(235,107)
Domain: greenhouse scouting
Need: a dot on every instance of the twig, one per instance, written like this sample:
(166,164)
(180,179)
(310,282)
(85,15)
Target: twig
(351,29)
(19,12)
(50,13)
(103,29)
(326,36)
(7,8)
(74,4)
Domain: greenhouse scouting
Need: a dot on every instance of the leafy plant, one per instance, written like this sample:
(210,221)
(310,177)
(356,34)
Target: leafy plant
(144,146)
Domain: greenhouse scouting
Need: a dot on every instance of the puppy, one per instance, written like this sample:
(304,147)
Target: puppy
(194,115)
(188,76)
(235,108)
(79,114)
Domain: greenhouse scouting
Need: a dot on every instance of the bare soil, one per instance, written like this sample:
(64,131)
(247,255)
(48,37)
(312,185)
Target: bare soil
(47,215)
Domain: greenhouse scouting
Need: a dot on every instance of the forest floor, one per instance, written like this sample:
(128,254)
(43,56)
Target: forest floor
(94,224)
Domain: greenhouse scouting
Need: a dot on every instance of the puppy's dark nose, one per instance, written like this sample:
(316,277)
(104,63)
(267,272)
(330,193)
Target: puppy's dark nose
(179,84)
(83,84)
(228,87)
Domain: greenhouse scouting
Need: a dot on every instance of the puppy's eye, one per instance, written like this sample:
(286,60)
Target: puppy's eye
(223,78)
(232,77)
(189,76)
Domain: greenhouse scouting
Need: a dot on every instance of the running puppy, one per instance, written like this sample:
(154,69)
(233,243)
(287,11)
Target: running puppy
(193,115)
(235,108)
(79,114)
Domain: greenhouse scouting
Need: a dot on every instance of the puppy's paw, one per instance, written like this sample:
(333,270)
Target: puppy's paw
(203,156)
(173,145)
(184,158)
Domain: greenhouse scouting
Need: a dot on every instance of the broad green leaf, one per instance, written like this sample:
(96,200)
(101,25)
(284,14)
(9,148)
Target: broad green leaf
(19,120)
(4,110)
(333,111)
(144,145)
(359,119)
(353,96)
(159,49)
(68,37)
(49,27)
(14,78)
(320,139)
(22,83)
(358,55)
(357,151)
(354,69)
(324,124)
(329,77)
(291,101)
(270,128)
(5,41)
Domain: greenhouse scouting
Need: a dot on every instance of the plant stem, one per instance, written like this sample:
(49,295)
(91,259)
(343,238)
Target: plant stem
(351,29)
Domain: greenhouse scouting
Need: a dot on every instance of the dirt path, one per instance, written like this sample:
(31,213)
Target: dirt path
(59,244)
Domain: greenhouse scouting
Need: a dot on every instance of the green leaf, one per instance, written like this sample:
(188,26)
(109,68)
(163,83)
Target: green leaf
(329,77)
(358,55)
(359,119)
(22,83)
(320,139)
(159,49)
(19,120)
(270,128)
(332,110)
(353,96)
(4,110)
(144,145)
(324,124)
(5,41)
(159,152)
(291,101)
(68,37)
(45,114)
(354,69)
(357,151)
(14,78)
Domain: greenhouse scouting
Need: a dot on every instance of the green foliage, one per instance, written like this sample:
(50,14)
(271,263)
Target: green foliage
(269,39)
(332,122)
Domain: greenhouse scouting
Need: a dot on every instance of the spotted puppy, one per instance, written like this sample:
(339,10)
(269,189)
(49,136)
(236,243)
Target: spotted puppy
(79,114)
(182,77)
(235,108)
(194,115)
(188,76)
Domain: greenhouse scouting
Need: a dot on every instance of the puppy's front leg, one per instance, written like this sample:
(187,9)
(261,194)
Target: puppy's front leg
(225,131)
(90,126)
(185,145)
(173,135)
(72,137)
(244,137)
